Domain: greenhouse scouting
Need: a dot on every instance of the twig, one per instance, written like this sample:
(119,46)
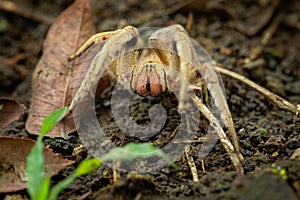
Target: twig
(203,167)
(116,173)
(282,103)
(189,22)
(175,8)
(199,140)
(256,63)
(266,37)
(174,132)
(25,11)
(191,163)
(138,196)
(221,134)
(268,33)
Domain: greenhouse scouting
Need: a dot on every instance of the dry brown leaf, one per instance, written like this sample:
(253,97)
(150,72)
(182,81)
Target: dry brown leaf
(13,153)
(9,112)
(53,77)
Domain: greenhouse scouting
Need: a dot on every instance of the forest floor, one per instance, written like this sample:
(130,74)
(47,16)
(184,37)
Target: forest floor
(258,39)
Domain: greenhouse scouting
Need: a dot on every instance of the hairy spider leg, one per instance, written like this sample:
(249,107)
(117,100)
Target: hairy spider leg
(175,39)
(106,57)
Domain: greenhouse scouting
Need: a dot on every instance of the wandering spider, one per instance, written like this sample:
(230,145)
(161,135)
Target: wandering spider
(152,73)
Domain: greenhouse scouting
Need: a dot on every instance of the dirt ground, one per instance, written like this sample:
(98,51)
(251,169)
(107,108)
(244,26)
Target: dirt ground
(258,39)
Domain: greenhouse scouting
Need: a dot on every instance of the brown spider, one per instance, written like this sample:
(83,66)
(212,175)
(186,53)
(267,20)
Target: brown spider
(170,49)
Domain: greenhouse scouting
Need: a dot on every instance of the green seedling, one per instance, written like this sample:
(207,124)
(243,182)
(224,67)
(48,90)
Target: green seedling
(38,183)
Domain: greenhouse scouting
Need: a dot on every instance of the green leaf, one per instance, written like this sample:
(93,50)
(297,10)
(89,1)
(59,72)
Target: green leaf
(50,121)
(84,167)
(37,182)
(60,186)
(134,150)
(43,194)
(1,106)
(127,152)
(87,166)
(35,170)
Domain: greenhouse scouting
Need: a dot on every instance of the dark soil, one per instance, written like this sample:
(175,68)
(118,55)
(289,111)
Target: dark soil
(268,135)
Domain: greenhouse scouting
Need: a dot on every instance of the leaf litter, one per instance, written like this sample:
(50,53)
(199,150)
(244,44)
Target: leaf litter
(13,153)
(10,111)
(54,77)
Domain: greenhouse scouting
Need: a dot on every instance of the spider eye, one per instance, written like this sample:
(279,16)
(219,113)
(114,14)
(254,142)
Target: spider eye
(149,79)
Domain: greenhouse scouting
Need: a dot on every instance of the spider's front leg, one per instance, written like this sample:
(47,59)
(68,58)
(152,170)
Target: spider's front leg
(109,56)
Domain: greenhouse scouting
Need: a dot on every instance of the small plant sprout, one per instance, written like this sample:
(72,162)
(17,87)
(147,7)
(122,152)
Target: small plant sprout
(38,183)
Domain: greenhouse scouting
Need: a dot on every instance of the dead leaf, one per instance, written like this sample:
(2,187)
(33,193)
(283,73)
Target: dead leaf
(13,153)
(53,77)
(9,112)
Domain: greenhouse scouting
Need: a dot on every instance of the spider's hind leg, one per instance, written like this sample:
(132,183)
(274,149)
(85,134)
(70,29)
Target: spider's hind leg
(174,39)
